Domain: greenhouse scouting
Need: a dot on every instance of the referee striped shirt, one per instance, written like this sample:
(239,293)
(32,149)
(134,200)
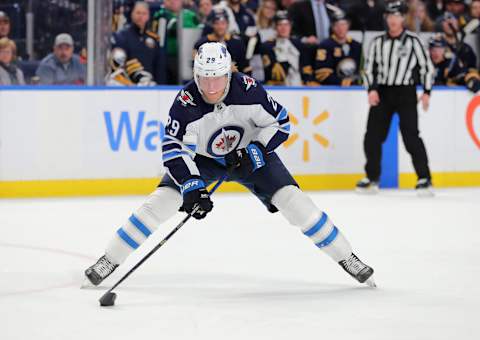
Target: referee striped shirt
(402,60)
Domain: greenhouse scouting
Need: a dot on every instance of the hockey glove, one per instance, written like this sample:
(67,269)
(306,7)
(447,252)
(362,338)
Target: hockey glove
(195,194)
(243,162)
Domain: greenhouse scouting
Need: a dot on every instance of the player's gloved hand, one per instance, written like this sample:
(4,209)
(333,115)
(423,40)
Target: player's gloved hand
(194,193)
(243,162)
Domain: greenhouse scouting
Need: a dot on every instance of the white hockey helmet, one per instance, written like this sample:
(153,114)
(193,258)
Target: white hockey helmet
(212,60)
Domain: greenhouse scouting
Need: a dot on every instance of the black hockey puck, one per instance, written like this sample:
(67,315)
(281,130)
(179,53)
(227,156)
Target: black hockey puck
(108,299)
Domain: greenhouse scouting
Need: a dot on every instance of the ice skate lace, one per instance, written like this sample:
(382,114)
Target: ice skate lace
(353,265)
(103,267)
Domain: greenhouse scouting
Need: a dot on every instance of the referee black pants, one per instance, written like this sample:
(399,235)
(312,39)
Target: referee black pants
(401,100)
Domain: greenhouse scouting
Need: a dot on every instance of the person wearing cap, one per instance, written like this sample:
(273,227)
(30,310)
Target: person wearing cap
(142,45)
(337,60)
(455,44)
(218,21)
(285,59)
(62,67)
(449,70)
(396,62)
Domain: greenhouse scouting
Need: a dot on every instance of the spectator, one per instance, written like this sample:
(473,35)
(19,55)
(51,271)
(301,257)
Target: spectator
(10,74)
(458,9)
(118,19)
(126,73)
(417,19)
(338,57)
(240,19)
(367,15)
(4,25)
(219,22)
(5,32)
(284,5)
(141,44)
(62,67)
(462,50)
(435,8)
(205,7)
(265,22)
(449,70)
(165,24)
(310,20)
(475,9)
(285,59)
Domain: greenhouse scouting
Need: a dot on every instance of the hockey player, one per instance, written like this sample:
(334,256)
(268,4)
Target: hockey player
(338,57)
(286,59)
(449,69)
(224,122)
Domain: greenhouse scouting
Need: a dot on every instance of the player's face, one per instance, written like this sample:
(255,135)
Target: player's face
(213,88)
(340,29)
(64,53)
(284,28)
(220,27)
(437,54)
(395,22)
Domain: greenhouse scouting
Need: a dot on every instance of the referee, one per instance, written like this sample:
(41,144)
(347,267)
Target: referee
(396,62)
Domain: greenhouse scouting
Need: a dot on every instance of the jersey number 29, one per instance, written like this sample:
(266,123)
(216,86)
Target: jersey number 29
(173,126)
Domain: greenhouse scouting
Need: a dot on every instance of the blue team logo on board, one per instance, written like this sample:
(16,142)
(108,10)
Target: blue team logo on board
(224,140)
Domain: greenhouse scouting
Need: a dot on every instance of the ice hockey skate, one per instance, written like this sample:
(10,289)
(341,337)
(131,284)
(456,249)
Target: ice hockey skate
(366,186)
(358,270)
(98,272)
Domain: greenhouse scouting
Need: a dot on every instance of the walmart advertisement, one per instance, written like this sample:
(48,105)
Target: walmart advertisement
(100,141)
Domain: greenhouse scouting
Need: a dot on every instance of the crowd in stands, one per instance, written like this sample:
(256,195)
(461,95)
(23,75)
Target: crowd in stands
(279,42)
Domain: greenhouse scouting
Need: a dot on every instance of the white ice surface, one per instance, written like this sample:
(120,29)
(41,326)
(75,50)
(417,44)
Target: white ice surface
(246,274)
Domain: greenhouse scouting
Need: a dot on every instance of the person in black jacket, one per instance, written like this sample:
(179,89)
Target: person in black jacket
(142,45)
(367,15)
(285,59)
(311,28)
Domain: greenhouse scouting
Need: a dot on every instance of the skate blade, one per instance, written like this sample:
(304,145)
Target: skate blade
(367,191)
(425,193)
(371,283)
(87,284)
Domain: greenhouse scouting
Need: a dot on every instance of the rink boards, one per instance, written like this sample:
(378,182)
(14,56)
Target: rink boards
(101,141)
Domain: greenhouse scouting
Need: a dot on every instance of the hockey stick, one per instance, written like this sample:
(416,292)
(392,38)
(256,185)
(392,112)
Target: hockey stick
(108,299)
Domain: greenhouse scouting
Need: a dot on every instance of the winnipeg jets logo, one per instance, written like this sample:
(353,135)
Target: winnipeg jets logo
(224,140)
(186,98)
(249,82)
